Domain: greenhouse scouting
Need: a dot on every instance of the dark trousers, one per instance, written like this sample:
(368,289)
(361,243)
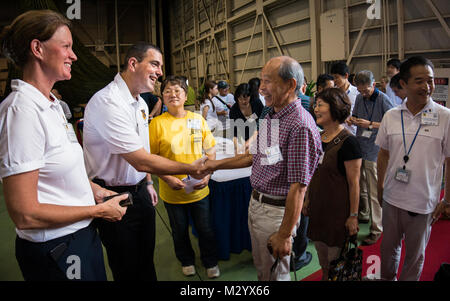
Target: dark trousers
(300,240)
(130,242)
(179,222)
(77,256)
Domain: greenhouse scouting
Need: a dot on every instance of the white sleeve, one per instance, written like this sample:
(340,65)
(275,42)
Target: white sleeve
(115,127)
(446,142)
(382,136)
(22,142)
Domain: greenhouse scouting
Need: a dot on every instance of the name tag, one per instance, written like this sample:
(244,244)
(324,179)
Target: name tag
(194,124)
(70,133)
(321,158)
(403,175)
(273,155)
(366,133)
(429,118)
(252,117)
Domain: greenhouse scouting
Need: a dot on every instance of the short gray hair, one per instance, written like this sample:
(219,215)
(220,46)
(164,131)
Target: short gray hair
(364,77)
(290,68)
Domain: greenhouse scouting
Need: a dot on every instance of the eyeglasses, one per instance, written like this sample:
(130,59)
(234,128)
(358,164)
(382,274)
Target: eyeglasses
(168,92)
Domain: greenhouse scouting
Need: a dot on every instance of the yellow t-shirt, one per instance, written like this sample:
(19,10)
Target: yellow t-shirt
(181,140)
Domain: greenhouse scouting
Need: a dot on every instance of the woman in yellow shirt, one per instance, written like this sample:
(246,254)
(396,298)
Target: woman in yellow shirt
(183,136)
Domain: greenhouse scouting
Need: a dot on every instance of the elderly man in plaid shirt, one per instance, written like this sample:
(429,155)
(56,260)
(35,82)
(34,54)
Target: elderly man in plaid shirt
(283,161)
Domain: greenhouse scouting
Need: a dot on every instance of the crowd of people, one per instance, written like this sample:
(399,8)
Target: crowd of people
(349,154)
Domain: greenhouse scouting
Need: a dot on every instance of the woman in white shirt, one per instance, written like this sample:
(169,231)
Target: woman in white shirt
(45,185)
(207,106)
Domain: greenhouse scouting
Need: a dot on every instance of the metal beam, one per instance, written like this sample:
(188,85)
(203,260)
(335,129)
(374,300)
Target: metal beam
(439,16)
(357,41)
(400,30)
(277,43)
(249,45)
(117,36)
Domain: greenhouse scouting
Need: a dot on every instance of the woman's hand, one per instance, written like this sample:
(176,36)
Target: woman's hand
(351,224)
(203,183)
(174,182)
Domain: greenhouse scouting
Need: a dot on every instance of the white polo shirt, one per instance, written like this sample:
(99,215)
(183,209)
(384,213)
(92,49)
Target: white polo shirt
(33,136)
(115,123)
(352,92)
(426,159)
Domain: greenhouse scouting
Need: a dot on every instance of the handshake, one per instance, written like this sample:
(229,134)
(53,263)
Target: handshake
(202,167)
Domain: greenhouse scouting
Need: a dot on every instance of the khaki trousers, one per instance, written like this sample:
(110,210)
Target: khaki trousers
(263,221)
(369,180)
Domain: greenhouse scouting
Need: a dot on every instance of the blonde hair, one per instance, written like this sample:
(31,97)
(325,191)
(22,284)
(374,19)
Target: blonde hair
(16,38)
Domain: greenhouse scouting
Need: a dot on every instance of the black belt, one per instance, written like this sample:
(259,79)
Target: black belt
(120,189)
(268,200)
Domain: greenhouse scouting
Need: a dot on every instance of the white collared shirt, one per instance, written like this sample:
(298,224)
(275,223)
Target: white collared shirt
(115,123)
(391,94)
(426,159)
(33,136)
(352,92)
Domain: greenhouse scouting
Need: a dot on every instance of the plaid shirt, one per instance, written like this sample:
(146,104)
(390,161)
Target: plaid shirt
(300,146)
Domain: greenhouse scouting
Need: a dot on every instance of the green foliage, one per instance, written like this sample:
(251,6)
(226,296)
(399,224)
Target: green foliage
(309,89)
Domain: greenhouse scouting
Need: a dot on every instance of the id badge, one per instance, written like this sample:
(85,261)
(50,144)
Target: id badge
(321,158)
(273,155)
(70,133)
(366,133)
(429,118)
(194,124)
(403,175)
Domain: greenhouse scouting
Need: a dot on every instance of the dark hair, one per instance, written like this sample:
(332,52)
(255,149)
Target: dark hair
(175,80)
(322,80)
(338,101)
(395,63)
(340,68)
(209,84)
(242,90)
(15,39)
(139,51)
(395,81)
(406,66)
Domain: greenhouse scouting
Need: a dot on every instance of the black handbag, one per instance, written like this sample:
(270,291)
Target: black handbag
(348,266)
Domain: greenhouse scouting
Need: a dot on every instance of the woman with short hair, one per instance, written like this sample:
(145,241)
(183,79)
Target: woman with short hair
(333,194)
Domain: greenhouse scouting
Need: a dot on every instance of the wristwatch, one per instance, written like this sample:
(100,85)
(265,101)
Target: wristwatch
(353,214)
(149,182)
(370,126)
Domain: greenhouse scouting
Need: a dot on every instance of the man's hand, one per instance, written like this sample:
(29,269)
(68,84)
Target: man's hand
(199,168)
(281,246)
(153,195)
(440,208)
(363,123)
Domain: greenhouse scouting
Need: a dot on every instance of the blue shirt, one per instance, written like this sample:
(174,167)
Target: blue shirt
(372,109)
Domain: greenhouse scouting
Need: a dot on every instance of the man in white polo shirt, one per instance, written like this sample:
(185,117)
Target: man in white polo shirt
(117,156)
(414,144)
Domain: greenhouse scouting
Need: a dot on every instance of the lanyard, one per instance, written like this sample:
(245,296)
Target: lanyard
(367,111)
(406,157)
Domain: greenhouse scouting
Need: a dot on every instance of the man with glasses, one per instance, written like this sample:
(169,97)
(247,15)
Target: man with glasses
(370,107)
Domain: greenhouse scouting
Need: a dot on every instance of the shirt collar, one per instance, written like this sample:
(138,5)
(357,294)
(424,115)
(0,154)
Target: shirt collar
(124,90)
(430,106)
(33,93)
(374,95)
(285,111)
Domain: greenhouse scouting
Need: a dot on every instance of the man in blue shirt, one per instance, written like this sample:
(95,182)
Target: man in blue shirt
(370,107)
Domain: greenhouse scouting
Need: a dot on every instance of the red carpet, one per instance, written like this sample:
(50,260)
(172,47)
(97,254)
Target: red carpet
(437,252)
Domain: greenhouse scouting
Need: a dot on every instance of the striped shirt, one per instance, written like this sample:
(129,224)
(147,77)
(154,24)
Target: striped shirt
(300,146)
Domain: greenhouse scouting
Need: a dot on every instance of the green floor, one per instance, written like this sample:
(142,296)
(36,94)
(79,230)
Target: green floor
(239,267)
